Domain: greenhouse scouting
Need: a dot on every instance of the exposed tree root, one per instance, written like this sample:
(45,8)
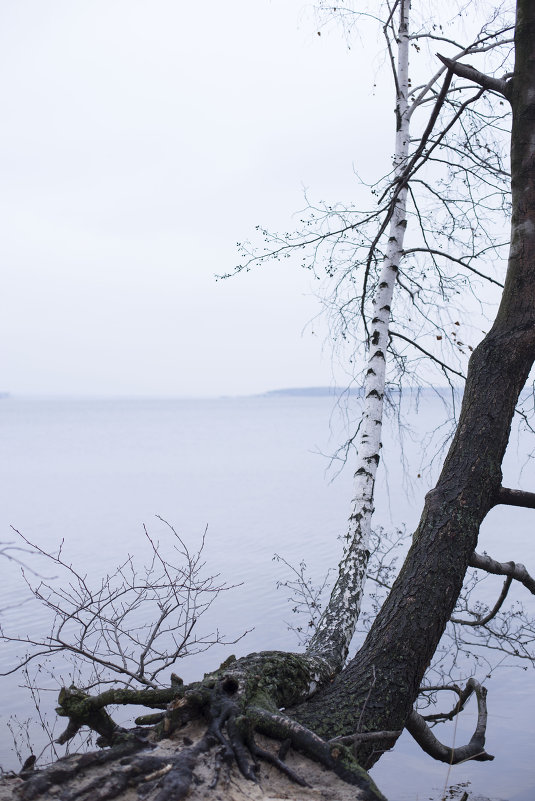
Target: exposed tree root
(62,771)
(159,772)
(333,755)
(161,778)
(235,704)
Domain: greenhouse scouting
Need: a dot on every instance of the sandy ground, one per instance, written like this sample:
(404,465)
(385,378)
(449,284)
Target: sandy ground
(231,786)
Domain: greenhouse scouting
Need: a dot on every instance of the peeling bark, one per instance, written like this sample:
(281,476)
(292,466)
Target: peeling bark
(337,623)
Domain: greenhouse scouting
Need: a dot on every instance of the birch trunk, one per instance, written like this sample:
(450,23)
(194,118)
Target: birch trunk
(337,624)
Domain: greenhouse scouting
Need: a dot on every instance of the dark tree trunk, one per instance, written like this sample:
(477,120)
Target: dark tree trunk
(378,687)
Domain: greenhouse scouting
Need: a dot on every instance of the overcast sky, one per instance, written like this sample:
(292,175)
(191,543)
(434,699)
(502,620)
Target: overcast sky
(139,141)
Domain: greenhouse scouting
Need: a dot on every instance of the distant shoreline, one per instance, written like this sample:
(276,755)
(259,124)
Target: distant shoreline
(337,392)
(314,392)
(285,392)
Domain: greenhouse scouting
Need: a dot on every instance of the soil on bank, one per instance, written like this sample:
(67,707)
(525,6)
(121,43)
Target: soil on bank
(230,786)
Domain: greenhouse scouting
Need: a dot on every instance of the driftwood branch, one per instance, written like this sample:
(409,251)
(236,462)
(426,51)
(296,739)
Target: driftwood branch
(513,569)
(499,85)
(475,749)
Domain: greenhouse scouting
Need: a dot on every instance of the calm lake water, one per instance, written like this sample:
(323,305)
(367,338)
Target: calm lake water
(92,472)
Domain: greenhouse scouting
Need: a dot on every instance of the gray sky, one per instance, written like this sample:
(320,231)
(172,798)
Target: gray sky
(139,141)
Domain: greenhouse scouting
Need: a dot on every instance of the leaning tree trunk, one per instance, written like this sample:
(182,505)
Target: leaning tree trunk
(379,686)
(336,626)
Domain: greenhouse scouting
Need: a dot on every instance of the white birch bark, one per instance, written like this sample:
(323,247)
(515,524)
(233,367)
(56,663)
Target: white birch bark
(337,623)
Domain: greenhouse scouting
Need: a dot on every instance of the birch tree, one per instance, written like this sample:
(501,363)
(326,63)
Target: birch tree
(344,715)
(336,627)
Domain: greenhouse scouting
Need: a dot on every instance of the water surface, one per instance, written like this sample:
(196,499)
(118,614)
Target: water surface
(92,472)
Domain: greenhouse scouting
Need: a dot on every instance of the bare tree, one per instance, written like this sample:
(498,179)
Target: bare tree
(132,624)
(392,298)
(345,715)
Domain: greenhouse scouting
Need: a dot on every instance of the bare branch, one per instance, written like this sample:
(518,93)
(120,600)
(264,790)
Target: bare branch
(474,750)
(512,497)
(513,569)
(133,623)
(441,717)
(428,129)
(503,87)
(462,262)
(483,620)
(365,736)
(438,361)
